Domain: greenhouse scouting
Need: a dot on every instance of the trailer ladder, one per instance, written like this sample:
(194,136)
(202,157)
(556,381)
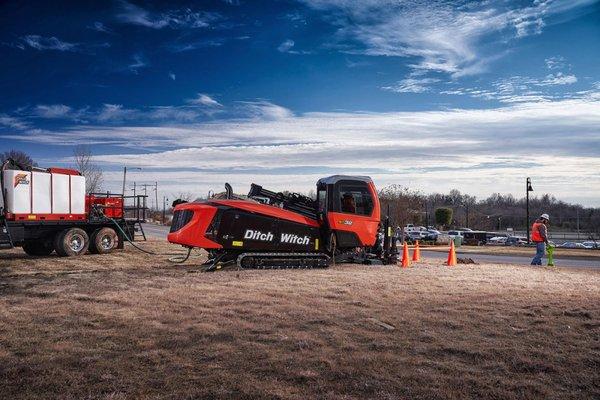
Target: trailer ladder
(5,238)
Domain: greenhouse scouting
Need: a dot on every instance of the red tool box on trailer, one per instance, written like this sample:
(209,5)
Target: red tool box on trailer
(111,206)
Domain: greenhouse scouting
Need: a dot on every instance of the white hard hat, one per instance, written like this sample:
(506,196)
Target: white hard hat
(545,216)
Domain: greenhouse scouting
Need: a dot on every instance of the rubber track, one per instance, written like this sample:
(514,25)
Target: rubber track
(289,256)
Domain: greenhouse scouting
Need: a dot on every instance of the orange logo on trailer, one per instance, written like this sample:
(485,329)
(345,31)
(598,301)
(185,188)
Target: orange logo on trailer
(21,179)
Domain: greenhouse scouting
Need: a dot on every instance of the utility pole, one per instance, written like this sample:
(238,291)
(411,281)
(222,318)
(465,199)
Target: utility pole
(577,224)
(124,178)
(467,210)
(164,214)
(528,189)
(156,194)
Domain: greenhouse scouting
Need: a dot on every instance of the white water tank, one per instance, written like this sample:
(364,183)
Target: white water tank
(42,195)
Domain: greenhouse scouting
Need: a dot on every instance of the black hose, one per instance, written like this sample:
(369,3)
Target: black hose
(178,257)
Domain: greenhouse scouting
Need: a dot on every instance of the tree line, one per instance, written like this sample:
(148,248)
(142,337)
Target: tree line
(494,213)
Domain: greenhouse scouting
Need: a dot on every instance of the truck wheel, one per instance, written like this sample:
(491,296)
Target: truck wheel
(103,241)
(38,247)
(71,242)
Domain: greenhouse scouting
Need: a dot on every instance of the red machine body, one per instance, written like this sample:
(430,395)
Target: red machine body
(346,215)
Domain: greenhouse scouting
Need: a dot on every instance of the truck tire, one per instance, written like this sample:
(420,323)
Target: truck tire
(38,247)
(71,242)
(103,241)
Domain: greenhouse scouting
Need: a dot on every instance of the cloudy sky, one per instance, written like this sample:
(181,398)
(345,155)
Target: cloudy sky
(430,94)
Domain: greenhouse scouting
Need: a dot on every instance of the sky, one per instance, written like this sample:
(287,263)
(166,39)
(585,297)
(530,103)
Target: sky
(427,94)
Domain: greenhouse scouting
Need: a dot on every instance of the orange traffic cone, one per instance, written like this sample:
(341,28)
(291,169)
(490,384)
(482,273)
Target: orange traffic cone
(451,255)
(405,257)
(417,252)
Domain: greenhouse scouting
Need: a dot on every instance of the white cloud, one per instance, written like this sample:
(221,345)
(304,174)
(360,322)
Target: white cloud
(138,62)
(412,85)
(175,19)
(172,76)
(520,89)
(47,43)
(478,151)
(13,122)
(199,44)
(265,110)
(558,79)
(115,112)
(553,63)
(99,27)
(285,46)
(53,111)
(443,36)
(204,100)
(172,114)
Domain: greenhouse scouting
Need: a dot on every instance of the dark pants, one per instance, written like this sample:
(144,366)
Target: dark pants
(540,248)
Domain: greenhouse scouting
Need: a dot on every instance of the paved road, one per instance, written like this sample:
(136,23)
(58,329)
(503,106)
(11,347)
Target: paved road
(511,259)
(156,231)
(160,232)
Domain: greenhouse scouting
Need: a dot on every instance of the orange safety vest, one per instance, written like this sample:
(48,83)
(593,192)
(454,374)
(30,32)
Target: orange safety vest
(535,232)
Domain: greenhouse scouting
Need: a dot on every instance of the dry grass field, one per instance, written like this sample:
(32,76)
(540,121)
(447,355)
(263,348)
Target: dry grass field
(130,325)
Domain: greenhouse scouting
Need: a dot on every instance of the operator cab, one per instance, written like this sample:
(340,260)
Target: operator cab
(345,194)
(348,210)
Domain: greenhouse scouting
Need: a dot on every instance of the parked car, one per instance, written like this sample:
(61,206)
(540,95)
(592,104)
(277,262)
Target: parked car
(572,245)
(515,241)
(413,228)
(497,240)
(432,234)
(454,234)
(591,244)
(474,238)
(416,235)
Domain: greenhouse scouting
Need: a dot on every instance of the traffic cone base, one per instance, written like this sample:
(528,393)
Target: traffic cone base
(451,262)
(416,252)
(405,257)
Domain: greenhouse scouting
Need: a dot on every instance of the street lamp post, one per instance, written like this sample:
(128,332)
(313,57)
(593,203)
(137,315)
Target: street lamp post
(125,176)
(528,189)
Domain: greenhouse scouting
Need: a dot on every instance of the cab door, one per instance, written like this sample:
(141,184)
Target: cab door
(354,213)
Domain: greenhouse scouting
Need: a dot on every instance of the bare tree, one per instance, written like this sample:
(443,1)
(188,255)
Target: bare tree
(19,156)
(92,172)
(185,196)
(406,205)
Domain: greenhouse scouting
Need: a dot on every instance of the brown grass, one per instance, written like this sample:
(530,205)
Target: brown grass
(134,326)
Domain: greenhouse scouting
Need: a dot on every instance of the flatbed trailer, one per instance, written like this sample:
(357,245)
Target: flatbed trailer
(98,234)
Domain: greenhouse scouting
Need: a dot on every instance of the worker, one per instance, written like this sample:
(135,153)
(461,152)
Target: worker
(348,203)
(539,236)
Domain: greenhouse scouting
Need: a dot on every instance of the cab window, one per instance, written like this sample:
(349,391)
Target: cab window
(322,199)
(355,200)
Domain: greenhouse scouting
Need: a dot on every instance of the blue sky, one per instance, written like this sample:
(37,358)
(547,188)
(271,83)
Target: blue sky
(434,95)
